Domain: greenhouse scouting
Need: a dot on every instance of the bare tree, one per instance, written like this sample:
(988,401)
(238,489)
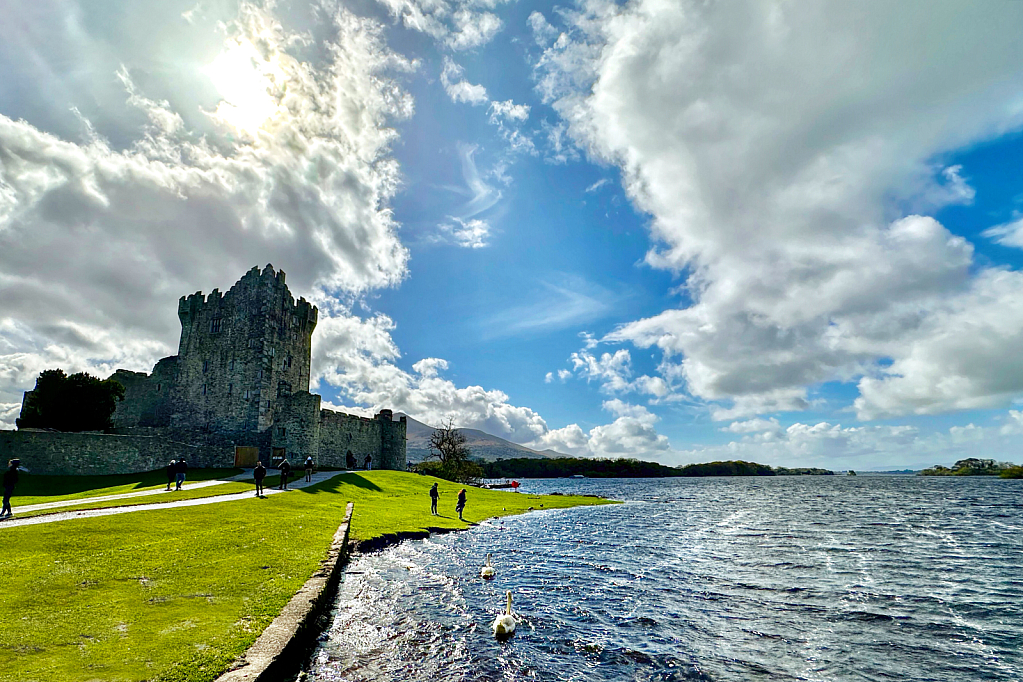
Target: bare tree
(448,444)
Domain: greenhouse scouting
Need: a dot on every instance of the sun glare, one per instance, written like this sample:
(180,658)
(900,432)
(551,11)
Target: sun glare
(246,81)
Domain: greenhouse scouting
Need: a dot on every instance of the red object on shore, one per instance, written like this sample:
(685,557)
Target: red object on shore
(515,484)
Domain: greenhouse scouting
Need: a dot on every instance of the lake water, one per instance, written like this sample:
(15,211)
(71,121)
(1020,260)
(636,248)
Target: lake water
(803,578)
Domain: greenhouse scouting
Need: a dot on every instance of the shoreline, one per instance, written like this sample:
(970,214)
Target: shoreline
(284,647)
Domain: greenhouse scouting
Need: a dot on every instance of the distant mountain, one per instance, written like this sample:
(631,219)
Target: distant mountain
(482,445)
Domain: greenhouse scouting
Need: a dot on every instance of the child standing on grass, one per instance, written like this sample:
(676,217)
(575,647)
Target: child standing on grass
(309,468)
(461,504)
(259,473)
(172,471)
(10,480)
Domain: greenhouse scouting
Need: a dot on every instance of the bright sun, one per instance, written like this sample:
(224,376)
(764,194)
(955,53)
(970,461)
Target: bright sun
(245,80)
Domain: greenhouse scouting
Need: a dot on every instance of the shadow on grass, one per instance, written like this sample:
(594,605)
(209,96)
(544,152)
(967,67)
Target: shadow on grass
(42,485)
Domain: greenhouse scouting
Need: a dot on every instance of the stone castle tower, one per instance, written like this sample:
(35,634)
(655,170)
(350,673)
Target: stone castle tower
(242,351)
(241,379)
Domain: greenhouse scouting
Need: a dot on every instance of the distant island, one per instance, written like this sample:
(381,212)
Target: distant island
(971,466)
(564,467)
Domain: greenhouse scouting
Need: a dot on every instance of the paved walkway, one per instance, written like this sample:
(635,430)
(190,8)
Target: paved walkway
(91,513)
(246,475)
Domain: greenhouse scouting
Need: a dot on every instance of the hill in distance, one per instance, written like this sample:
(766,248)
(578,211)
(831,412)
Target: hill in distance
(482,445)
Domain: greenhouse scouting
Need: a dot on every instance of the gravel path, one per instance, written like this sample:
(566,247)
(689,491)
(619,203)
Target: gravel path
(91,513)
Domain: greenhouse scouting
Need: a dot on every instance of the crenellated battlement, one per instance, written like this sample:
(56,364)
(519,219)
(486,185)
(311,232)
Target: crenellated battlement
(242,374)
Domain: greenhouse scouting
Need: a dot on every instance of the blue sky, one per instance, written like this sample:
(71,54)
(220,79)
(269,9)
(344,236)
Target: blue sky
(671,231)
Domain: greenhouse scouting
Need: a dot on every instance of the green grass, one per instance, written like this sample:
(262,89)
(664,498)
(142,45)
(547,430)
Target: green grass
(172,496)
(34,489)
(178,594)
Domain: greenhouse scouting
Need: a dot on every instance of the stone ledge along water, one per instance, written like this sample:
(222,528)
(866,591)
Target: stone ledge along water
(282,646)
(812,578)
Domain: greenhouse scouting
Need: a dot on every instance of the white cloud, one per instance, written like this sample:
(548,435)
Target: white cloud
(773,149)
(543,32)
(473,29)
(753,426)
(1007,234)
(560,301)
(461,90)
(98,240)
(614,373)
(597,185)
(508,111)
(456,25)
(471,234)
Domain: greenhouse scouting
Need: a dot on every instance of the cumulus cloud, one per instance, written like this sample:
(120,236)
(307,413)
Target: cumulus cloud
(99,238)
(785,156)
(614,373)
(632,434)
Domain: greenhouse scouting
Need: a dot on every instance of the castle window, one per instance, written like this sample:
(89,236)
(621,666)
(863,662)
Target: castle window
(272,351)
(230,389)
(283,389)
(215,325)
(230,365)
(248,394)
(205,365)
(259,374)
(268,404)
(204,389)
(280,431)
(294,321)
(287,363)
(158,387)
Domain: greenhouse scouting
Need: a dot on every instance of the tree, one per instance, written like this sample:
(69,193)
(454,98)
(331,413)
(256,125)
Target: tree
(447,444)
(79,402)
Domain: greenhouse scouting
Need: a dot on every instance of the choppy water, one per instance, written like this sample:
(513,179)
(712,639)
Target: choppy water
(812,578)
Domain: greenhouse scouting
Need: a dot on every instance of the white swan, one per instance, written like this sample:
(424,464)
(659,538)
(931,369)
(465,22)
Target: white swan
(487,572)
(504,625)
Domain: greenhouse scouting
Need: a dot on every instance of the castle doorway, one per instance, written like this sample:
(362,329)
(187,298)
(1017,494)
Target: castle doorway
(245,456)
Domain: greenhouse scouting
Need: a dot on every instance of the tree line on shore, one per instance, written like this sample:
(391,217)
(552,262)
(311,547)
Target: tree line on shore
(972,466)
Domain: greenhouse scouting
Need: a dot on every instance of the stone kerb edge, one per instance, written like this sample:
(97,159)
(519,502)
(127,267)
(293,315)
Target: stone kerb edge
(281,647)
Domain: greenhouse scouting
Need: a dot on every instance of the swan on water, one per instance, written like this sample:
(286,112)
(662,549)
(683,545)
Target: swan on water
(504,625)
(487,572)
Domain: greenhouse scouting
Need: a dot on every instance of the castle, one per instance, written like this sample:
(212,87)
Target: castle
(236,392)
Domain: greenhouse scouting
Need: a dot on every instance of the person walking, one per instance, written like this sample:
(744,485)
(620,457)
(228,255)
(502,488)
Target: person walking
(434,494)
(369,462)
(10,480)
(182,471)
(461,504)
(285,469)
(172,471)
(258,474)
(309,464)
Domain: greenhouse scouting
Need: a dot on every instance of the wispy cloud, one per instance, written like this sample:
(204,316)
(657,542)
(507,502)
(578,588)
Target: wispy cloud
(570,301)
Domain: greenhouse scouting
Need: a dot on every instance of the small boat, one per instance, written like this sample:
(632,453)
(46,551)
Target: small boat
(577,476)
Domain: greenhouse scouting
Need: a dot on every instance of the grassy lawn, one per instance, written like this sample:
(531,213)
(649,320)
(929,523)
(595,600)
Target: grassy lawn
(177,594)
(39,489)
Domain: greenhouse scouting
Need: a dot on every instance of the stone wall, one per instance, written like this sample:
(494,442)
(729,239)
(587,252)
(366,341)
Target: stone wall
(379,438)
(91,454)
(297,427)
